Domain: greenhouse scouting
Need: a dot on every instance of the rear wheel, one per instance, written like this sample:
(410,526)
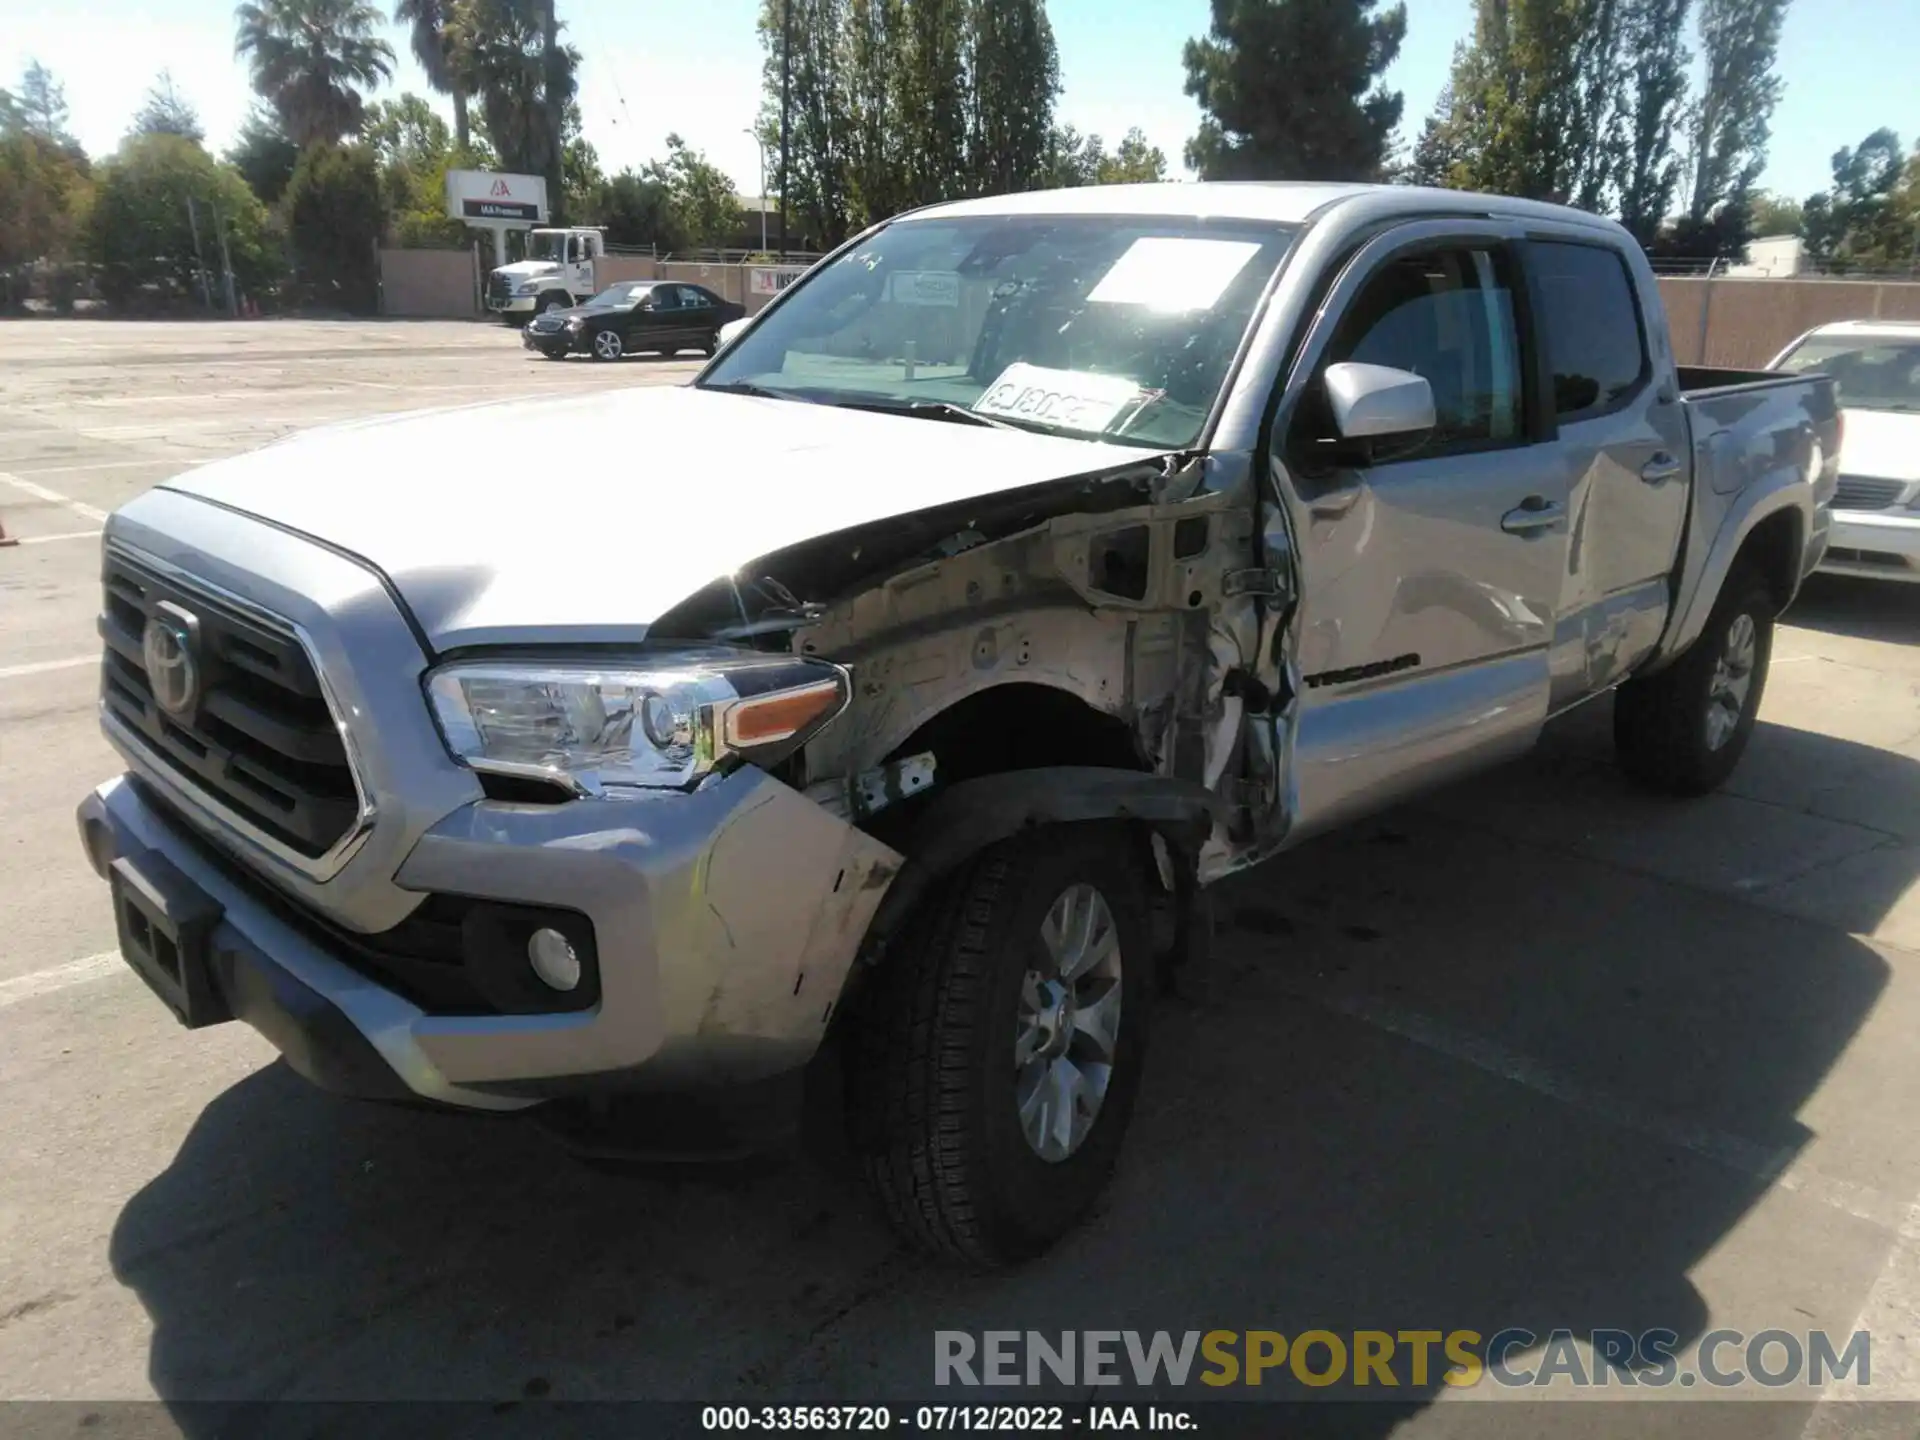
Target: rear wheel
(997,1055)
(1683,730)
(606,345)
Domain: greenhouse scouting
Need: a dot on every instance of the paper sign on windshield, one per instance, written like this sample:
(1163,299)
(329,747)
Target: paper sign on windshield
(925,287)
(1067,398)
(1171,273)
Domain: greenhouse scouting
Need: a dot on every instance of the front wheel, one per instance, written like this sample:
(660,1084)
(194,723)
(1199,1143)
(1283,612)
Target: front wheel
(1683,730)
(606,345)
(997,1055)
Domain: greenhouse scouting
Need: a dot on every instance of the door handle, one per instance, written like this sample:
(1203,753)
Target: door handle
(1660,469)
(1533,516)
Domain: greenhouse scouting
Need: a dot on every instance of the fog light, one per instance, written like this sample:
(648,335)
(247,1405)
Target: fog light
(553,959)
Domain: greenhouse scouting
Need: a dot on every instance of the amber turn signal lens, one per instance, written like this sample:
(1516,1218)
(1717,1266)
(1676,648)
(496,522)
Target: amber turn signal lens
(767,719)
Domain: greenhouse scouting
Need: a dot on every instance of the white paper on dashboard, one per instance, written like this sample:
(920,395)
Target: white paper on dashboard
(939,288)
(1069,398)
(1173,273)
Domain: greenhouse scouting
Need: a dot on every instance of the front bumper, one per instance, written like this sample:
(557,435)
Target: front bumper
(554,342)
(513,305)
(727,921)
(1874,545)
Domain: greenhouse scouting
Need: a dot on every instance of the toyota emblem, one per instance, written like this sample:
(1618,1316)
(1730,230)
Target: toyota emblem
(166,646)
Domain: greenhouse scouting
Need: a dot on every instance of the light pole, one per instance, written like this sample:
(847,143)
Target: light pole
(761,145)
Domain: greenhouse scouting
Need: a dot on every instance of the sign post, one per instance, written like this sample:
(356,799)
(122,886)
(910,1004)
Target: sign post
(487,200)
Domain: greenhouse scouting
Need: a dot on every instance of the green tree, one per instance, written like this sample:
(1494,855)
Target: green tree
(1657,58)
(1015,71)
(639,210)
(501,50)
(817,181)
(1290,89)
(582,182)
(1730,125)
(41,105)
(44,194)
(264,155)
(139,234)
(164,112)
(877,184)
(1776,215)
(310,59)
(1136,162)
(704,204)
(1532,104)
(335,216)
(433,41)
(414,149)
(933,92)
(1073,158)
(1865,220)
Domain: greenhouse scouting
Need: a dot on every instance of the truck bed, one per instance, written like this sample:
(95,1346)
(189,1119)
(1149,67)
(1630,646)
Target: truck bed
(1711,379)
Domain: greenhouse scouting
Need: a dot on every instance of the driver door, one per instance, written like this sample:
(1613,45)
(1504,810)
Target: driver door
(1432,567)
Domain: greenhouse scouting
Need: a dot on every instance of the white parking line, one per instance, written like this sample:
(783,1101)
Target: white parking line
(60,977)
(107,465)
(68,535)
(52,497)
(42,667)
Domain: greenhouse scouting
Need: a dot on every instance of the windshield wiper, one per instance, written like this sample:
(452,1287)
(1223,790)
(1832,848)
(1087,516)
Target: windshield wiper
(762,392)
(927,410)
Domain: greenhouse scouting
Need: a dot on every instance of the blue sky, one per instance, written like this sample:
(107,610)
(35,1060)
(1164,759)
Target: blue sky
(1850,67)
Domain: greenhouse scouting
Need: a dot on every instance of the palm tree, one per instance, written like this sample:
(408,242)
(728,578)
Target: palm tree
(311,59)
(433,39)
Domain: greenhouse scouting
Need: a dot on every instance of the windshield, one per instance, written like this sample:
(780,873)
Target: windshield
(546,245)
(1872,374)
(1117,326)
(620,294)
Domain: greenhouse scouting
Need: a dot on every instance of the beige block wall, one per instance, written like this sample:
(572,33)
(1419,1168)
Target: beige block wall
(428,284)
(1745,323)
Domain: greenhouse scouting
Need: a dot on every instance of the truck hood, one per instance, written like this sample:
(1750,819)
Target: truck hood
(1883,444)
(527,269)
(585,519)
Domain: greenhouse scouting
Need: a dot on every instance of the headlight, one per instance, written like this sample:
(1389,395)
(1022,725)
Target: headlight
(527,287)
(658,725)
(577,322)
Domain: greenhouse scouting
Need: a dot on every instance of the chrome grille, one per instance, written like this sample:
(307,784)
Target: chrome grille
(1859,492)
(260,741)
(499,289)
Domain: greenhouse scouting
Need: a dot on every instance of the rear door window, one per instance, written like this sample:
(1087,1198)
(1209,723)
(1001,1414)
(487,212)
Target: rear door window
(1591,322)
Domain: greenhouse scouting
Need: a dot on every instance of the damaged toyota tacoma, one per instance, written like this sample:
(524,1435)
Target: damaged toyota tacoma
(1029,566)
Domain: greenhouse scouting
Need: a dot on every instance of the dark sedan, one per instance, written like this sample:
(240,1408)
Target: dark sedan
(662,317)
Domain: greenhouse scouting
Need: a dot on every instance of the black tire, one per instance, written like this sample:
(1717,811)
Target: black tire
(932,1076)
(1663,732)
(553,300)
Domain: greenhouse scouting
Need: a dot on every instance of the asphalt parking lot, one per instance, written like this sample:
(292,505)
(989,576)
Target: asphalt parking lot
(1537,1051)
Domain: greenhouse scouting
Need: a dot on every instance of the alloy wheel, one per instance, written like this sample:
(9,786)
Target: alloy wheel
(1068,1024)
(1732,680)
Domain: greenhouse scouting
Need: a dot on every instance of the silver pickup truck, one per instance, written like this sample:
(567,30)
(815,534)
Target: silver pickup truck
(879,713)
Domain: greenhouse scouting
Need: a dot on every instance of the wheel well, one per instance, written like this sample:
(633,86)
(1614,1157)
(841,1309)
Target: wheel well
(1022,726)
(1772,552)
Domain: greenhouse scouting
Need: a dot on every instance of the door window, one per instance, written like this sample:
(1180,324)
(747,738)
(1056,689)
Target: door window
(1591,323)
(1448,315)
(666,297)
(692,297)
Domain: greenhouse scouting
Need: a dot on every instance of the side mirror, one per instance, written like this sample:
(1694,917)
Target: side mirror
(733,329)
(1374,402)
